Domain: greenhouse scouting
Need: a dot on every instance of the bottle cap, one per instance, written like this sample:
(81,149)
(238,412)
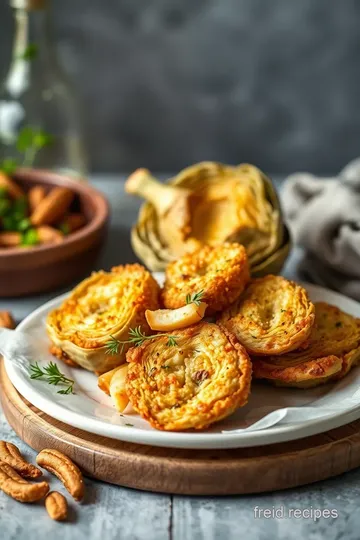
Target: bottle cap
(29,4)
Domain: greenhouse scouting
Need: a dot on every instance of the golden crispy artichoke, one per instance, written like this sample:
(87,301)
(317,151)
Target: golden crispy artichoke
(272,316)
(220,273)
(205,377)
(107,304)
(333,348)
(208,203)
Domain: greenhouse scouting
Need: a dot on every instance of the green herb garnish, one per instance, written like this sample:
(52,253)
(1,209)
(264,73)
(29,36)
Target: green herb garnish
(30,238)
(52,375)
(9,166)
(30,52)
(171,341)
(136,338)
(9,223)
(23,225)
(5,206)
(195,298)
(21,205)
(29,142)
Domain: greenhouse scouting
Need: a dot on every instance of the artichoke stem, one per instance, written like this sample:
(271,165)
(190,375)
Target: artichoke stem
(161,196)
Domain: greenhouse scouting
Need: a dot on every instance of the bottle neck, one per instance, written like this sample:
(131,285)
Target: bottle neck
(32,48)
(32,29)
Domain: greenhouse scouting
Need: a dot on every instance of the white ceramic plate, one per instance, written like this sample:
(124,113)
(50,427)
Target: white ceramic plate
(91,410)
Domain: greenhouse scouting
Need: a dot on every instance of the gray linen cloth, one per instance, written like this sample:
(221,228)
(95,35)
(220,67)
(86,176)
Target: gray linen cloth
(324,218)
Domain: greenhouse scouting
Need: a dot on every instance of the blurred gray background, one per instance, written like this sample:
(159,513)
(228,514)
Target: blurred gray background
(166,83)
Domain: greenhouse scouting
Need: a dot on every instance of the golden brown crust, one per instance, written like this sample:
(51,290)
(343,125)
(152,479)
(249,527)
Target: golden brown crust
(103,305)
(222,272)
(272,316)
(201,380)
(334,347)
(316,371)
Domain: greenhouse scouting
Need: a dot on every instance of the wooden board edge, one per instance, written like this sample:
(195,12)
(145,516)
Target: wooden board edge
(146,471)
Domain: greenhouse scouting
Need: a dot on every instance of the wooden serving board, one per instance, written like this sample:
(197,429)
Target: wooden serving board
(187,472)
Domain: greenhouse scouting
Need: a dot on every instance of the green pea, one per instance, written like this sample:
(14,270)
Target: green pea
(30,238)
(23,224)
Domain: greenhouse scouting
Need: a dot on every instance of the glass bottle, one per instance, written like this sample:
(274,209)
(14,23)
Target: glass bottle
(39,118)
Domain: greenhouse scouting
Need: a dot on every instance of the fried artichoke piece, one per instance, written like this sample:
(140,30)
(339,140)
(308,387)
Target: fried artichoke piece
(205,377)
(106,305)
(333,349)
(212,204)
(272,316)
(220,273)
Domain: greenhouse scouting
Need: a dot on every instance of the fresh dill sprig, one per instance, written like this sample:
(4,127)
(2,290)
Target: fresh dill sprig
(171,341)
(52,375)
(136,338)
(195,298)
(113,345)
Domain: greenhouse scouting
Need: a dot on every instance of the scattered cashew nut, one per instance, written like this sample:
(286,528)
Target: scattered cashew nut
(56,506)
(10,239)
(49,235)
(52,207)
(10,186)
(10,454)
(16,487)
(35,195)
(62,467)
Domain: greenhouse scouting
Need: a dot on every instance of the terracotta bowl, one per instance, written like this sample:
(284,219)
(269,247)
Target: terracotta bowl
(44,268)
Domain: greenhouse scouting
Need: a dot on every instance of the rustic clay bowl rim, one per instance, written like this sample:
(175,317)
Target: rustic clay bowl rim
(49,178)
